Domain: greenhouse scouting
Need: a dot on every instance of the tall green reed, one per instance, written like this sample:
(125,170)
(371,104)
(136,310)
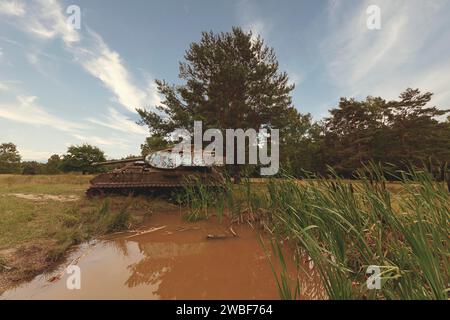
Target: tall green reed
(345,227)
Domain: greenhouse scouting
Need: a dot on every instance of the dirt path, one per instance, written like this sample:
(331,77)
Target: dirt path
(169,259)
(45,197)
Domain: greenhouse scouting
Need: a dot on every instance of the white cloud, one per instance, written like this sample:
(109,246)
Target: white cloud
(41,18)
(13,42)
(34,155)
(384,62)
(251,20)
(8,85)
(46,20)
(95,140)
(257,28)
(12,8)
(43,63)
(294,77)
(354,51)
(33,58)
(26,110)
(117,121)
(437,81)
(107,66)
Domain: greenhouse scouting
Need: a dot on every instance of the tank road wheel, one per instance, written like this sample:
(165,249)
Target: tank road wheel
(95,193)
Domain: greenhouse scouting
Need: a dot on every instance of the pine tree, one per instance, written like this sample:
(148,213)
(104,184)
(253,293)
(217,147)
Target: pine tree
(231,80)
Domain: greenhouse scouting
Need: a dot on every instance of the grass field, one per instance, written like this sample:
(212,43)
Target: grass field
(43,216)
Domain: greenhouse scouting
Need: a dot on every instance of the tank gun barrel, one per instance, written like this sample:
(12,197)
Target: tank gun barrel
(111,162)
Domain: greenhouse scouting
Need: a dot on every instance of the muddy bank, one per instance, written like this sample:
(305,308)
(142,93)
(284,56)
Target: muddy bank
(170,259)
(23,263)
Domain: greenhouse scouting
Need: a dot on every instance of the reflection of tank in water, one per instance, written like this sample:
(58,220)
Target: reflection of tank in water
(163,170)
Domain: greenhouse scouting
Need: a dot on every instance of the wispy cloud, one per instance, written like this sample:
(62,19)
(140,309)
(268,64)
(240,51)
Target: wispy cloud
(360,61)
(26,110)
(35,155)
(34,60)
(294,77)
(107,66)
(95,140)
(46,21)
(12,8)
(13,42)
(8,86)
(118,121)
(251,20)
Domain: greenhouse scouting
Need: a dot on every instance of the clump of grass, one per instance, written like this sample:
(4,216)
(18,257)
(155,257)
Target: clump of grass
(230,199)
(106,219)
(78,228)
(201,200)
(65,239)
(119,221)
(286,288)
(344,229)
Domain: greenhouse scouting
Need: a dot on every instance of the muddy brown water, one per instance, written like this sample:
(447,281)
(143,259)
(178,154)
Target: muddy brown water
(175,261)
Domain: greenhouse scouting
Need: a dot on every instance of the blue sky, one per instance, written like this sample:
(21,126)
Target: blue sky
(61,86)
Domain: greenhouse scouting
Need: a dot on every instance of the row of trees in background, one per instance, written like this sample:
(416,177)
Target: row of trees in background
(77,159)
(403,133)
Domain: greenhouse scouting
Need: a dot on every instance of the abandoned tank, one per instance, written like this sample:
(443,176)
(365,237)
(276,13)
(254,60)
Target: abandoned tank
(162,171)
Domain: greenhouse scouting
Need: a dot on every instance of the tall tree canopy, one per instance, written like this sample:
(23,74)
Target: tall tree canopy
(231,80)
(415,133)
(33,167)
(80,158)
(54,164)
(9,158)
(402,132)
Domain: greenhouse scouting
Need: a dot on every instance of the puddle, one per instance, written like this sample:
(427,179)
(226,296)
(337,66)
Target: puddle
(175,260)
(44,197)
